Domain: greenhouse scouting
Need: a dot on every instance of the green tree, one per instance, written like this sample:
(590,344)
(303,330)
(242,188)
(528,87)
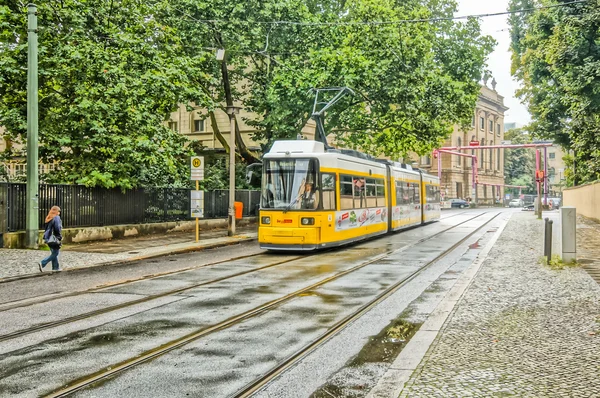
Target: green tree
(413,80)
(110,74)
(519,163)
(556,56)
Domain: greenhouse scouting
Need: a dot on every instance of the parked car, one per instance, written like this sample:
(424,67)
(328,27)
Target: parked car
(529,207)
(515,203)
(459,203)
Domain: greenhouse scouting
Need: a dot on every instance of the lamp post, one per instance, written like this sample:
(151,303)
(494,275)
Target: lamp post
(231,111)
(32,214)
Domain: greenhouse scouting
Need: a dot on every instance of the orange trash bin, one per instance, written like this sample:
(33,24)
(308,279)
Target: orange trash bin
(239,208)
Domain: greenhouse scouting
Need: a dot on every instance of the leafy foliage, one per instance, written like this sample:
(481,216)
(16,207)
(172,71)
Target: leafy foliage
(556,56)
(109,75)
(519,163)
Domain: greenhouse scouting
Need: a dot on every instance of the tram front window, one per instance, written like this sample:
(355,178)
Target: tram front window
(290,184)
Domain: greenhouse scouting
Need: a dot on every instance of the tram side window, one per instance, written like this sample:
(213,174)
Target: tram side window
(404,193)
(429,194)
(380,192)
(371,192)
(328,191)
(346,192)
(417,193)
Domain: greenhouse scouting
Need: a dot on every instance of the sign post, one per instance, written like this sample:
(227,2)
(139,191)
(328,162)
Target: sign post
(197,196)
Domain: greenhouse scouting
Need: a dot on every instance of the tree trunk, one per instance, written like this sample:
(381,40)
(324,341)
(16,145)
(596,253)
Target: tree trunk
(217,132)
(248,156)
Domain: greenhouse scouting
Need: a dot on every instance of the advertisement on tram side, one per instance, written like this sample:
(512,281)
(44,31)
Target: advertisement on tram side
(357,218)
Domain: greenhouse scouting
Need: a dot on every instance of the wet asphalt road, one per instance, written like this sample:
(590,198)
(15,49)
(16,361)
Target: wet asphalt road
(220,363)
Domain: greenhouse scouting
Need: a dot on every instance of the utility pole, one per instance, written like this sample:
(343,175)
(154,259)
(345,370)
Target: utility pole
(231,111)
(32,217)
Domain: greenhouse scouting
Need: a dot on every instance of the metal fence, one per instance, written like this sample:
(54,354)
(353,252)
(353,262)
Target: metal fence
(94,207)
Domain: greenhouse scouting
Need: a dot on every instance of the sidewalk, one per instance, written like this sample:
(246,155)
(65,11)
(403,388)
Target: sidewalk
(20,263)
(511,326)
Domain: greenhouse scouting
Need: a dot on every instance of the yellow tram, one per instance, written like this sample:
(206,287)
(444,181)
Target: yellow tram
(314,198)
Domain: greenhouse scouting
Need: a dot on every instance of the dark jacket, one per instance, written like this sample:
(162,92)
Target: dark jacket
(54,226)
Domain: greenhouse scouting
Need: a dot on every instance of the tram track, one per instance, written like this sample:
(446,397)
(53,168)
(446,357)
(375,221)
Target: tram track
(102,311)
(10,305)
(259,383)
(148,355)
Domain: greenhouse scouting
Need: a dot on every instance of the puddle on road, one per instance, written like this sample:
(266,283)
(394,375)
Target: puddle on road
(386,346)
(382,348)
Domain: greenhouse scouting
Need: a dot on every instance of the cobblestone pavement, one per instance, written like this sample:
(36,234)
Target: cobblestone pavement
(521,329)
(588,246)
(19,262)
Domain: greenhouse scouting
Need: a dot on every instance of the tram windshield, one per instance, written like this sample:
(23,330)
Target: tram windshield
(290,184)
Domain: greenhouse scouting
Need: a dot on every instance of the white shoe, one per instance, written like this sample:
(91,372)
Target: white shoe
(40,267)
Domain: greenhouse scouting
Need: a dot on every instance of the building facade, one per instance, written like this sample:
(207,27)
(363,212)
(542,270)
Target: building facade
(487,128)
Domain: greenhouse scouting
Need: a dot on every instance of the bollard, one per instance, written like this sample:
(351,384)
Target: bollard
(568,221)
(547,240)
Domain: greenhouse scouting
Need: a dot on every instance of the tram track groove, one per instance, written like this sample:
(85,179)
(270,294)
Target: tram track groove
(151,354)
(90,314)
(258,384)
(10,305)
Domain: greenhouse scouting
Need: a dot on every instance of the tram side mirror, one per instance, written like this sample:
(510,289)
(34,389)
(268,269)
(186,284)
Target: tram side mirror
(253,174)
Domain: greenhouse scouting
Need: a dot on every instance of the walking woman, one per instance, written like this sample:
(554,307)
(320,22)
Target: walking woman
(53,238)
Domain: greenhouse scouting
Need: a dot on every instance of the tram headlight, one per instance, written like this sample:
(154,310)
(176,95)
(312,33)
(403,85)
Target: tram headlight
(307,221)
(265,220)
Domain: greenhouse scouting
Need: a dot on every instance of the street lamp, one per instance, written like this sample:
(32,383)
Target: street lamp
(231,111)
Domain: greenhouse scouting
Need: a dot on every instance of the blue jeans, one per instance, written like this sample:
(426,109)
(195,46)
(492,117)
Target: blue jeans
(52,257)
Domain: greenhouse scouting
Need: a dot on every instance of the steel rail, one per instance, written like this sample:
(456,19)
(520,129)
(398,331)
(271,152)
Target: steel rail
(148,355)
(257,384)
(11,305)
(90,314)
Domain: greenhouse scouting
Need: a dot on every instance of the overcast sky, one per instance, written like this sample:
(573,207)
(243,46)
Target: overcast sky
(499,61)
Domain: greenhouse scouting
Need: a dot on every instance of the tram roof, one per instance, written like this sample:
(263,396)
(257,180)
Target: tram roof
(294,148)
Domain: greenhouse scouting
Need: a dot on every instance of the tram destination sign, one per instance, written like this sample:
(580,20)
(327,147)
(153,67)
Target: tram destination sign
(197,168)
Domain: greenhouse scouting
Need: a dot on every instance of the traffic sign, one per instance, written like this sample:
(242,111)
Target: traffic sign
(197,168)
(473,143)
(197,204)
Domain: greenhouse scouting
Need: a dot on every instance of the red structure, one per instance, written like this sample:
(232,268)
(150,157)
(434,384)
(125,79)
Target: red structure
(541,175)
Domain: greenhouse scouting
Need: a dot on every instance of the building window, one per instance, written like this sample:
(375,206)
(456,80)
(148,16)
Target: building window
(498,159)
(551,172)
(481,122)
(491,159)
(482,163)
(173,126)
(198,125)
(458,144)
(498,129)
(491,127)
(426,160)
(551,155)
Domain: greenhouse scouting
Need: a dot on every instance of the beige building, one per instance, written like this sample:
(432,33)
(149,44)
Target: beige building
(556,170)
(198,126)
(487,128)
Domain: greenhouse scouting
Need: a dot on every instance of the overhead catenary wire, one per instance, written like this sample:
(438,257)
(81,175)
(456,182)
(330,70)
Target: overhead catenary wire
(374,23)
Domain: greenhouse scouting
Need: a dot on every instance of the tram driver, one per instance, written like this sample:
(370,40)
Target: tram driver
(309,199)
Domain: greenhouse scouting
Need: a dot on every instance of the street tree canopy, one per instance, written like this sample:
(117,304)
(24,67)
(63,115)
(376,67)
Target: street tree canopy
(556,56)
(111,74)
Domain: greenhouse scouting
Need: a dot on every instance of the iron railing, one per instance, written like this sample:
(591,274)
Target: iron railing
(95,207)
